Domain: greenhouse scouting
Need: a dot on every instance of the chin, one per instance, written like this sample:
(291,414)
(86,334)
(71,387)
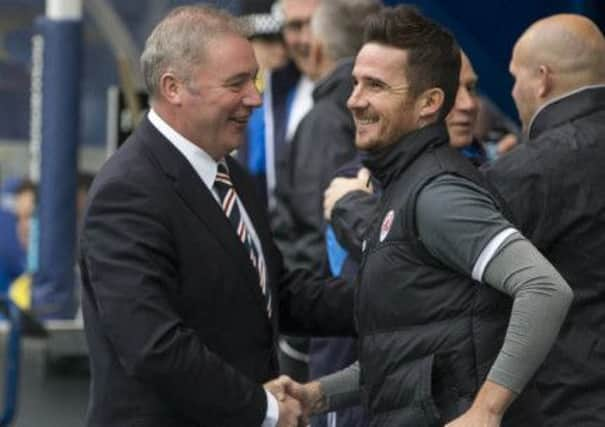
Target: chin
(461,142)
(229,146)
(364,144)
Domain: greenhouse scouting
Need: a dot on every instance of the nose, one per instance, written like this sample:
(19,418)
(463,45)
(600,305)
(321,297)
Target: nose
(304,36)
(356,100)
(252,97)
(466,101)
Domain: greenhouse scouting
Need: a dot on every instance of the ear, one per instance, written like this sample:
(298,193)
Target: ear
(429,103)
(545,79)
(170,88)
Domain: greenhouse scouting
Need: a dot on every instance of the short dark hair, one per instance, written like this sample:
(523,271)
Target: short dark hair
(433,54)
(26,186)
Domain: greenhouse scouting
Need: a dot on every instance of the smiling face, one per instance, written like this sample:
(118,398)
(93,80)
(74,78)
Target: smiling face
(381,103)
(297,32)
(461,119)
(216,101)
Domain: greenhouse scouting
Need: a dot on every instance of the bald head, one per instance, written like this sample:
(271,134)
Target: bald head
(571,45)
(554,56)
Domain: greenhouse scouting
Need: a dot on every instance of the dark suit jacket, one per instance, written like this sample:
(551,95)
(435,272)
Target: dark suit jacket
(174,317)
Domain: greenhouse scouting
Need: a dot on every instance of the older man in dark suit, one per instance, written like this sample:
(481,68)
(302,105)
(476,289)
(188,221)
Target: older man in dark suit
(183,286)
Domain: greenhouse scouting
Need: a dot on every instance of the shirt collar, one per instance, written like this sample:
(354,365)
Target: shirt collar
(565,107)
(203,164)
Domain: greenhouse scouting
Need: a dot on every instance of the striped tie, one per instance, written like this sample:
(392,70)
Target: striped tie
(228,199)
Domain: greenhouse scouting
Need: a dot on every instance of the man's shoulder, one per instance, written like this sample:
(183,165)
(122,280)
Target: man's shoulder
(129,166)
(328,113)
(126,159)
(548,151)
(445,189)
(335,97)
(523,159)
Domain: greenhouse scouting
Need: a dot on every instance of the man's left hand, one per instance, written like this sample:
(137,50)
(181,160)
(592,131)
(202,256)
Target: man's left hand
(340,186)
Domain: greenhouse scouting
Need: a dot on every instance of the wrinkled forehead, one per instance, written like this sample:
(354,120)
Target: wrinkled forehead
(228,55)
(299,10)
(382,62)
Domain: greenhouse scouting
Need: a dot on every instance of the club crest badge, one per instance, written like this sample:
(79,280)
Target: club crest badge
(387,222)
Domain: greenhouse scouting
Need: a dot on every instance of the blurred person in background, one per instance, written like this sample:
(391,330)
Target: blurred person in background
(286,101)
(496,132)
(286,90)
(324,141)
(262,21)
(24,205)
(461,119)
(262,24)
(554,185)
(25,208)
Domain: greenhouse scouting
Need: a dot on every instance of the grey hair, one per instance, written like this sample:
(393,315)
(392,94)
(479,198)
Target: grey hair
(178,42)
(339,25)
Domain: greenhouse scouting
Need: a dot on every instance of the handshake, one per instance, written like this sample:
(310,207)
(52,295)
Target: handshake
(297,402)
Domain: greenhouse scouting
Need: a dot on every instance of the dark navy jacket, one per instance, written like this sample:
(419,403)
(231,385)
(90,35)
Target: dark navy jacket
(555,187)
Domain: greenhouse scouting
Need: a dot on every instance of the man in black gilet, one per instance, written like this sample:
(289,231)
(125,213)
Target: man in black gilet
(455,308)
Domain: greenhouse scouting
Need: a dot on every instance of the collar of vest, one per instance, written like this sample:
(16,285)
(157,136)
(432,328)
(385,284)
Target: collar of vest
(388,162)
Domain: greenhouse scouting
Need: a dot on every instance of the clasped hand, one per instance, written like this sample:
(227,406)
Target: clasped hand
(297,402)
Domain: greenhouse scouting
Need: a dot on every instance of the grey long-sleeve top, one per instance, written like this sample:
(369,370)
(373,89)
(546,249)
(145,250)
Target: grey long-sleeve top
(508,262)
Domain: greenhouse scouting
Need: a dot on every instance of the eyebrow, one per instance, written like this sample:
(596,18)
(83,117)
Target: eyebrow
(370,79)
(240,77)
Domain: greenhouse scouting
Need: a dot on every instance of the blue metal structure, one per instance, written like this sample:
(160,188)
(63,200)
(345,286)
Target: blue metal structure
(12,364)
(53,290)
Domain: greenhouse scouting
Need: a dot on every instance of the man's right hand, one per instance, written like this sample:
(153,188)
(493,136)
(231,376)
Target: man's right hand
(290,413)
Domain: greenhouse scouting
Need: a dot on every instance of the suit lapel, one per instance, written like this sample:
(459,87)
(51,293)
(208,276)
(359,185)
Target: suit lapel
(194,193)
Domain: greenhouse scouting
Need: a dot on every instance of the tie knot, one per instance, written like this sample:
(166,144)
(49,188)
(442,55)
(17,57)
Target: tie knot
(222,175)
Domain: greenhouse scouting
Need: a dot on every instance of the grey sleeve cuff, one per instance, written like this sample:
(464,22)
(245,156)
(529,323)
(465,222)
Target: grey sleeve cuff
(341,389)
(541,300)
